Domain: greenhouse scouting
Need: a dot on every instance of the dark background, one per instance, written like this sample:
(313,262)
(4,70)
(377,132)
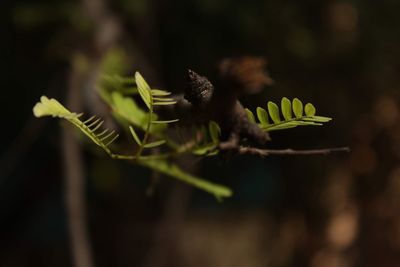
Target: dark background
(332,211)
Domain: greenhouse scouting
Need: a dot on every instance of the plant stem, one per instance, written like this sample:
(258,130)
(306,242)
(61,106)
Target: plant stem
(284,152)
(147,132)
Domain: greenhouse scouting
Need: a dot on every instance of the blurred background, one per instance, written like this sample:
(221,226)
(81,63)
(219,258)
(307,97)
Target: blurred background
(339,210)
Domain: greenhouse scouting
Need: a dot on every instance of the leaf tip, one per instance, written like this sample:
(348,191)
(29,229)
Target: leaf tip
(309,109)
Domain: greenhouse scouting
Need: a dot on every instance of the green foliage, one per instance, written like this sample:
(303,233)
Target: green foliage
(215,131)
(262,115)
(209,143)
(288,109)
(273,110)
(148,131)
(135,136)
(250,115)
(127,110)
(297,108)
(90,127)
(173,170)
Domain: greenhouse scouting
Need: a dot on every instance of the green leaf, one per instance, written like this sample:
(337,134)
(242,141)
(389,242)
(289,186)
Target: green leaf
(286,108)
(273,110)
(51,107)
(215,131)
(157,92)
(290,121)
(283,126)
(135,136)
(154,144)
(144,90)
(262,115)
(297,108)
(205,149)
(310,110)
(309,123)
(174,171)
(250,115)
(163,99)
(164,121)
(318,119)
(164,103)
(129,110)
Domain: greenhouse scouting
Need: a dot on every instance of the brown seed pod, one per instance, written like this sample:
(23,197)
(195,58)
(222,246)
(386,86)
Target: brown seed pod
(221,104)
(199,89)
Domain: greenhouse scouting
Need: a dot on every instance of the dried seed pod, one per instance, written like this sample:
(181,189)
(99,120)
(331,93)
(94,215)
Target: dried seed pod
(222,105)
(199,89)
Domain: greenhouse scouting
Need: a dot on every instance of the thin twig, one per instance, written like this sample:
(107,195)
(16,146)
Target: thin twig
(285,152)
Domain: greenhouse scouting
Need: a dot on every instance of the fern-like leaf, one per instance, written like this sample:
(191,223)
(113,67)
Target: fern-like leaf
(288,109)
(297,108)
(151,97)
(144,90)
(90,127)
(51,107)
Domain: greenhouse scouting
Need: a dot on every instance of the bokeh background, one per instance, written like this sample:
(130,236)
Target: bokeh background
(339,210)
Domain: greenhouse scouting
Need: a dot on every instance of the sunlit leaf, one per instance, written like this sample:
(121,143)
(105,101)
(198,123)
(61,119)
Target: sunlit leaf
(286,109)
(297,106)
(262,115)
(129,110)
(309,109)
(164,103)
(309,122)
(250,115)
(144,89)
(283,126)
(273,111)
(318,119)
(157,92)
(51,107)
(163,99)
